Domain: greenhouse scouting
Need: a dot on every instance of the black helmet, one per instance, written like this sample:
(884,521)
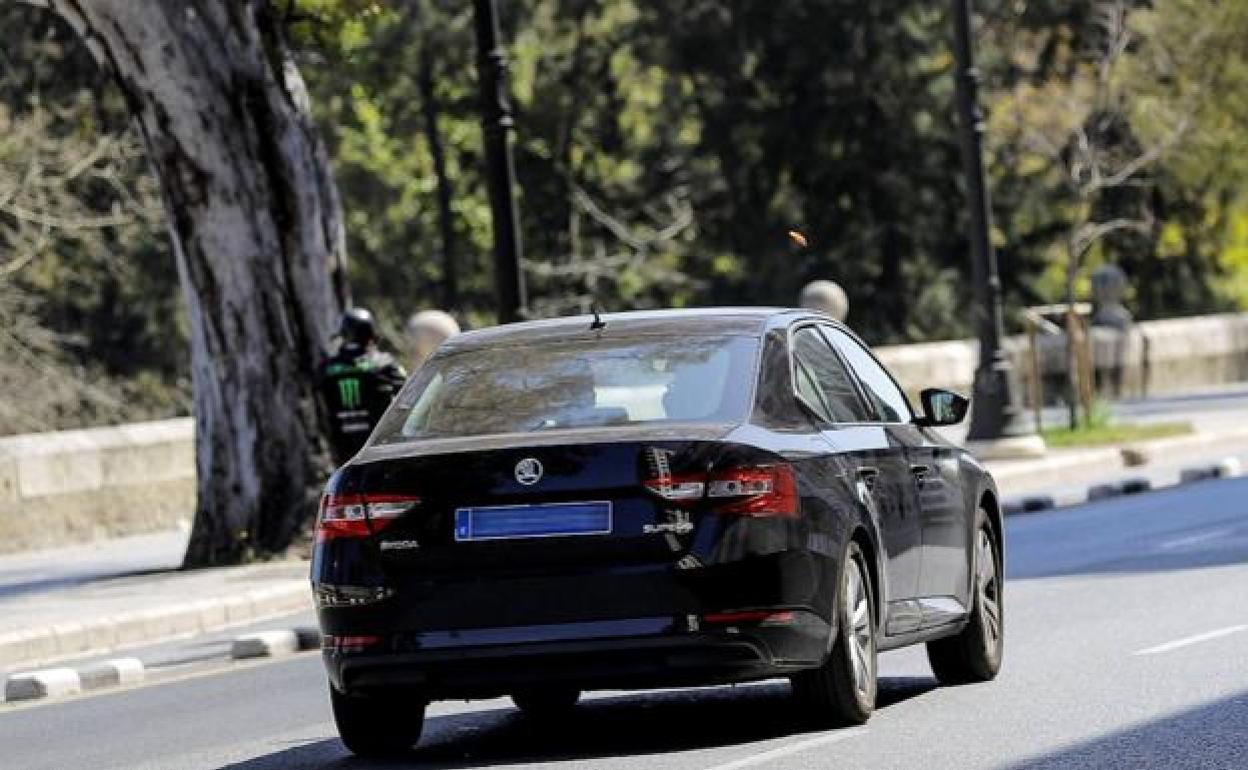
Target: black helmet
(357,326)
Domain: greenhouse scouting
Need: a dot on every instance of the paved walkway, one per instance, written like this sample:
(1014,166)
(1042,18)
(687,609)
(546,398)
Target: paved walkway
(48,614)
(32,572)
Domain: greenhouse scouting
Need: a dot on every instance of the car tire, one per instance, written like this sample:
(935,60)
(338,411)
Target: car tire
(378,725)
(546,702)
(842,690)
(975,653)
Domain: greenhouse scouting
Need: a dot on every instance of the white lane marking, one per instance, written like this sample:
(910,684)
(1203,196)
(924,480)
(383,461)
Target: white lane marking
(1183,542)
(785,751)
(1190,640)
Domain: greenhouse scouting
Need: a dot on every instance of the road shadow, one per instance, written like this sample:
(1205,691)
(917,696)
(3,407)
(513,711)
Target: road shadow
(12,587)
(1209,737)
(1222,556)
(1134,534)
(630,725)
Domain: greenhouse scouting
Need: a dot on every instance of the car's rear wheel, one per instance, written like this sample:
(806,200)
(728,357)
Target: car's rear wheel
(843,689)
(378,725)
(546,702)
(975,654)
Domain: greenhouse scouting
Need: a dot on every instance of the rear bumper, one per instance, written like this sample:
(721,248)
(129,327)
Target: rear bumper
(468,668)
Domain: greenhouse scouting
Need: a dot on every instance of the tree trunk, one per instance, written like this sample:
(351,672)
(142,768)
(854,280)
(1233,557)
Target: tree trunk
(1072,361)
(257,234)
(433,134)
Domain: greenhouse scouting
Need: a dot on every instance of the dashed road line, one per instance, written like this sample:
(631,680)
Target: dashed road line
(1190,640)
(1183,542)
(785,751)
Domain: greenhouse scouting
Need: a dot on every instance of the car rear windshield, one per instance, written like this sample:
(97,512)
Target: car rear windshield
(574,384)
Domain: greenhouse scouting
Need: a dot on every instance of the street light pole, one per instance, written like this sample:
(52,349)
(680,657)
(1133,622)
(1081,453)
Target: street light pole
(496,124)
(998,426)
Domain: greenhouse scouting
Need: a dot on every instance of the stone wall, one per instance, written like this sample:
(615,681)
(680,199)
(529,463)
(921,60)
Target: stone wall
(1154,358)
(74,486)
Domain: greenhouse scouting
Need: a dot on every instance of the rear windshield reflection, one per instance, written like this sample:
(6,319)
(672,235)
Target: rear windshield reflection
(577,384)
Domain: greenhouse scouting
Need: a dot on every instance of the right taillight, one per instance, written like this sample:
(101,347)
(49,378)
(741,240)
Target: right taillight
(768,491)
(347,644)
(759,491)
(356,516)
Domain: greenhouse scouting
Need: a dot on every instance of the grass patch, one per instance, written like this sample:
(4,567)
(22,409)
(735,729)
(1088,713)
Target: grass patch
(1107,435)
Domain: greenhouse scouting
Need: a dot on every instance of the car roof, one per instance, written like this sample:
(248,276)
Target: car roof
(741,321)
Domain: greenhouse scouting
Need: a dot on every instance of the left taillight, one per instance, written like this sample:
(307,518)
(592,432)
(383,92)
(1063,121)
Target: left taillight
(359,515)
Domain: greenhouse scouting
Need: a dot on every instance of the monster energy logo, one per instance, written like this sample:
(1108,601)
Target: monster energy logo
(349,393)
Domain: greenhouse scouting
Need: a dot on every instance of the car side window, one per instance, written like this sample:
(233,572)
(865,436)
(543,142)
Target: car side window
(774,405)
(809,391)
(823,380)
(890,403)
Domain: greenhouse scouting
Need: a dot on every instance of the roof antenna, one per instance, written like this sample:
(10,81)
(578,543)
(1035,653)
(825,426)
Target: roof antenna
(596,324)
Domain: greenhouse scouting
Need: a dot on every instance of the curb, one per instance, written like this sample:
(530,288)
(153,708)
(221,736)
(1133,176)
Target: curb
(1057,471)
(112,673)
(65,640)
(1226,468)
(66,681)
(273,644)
(63,682)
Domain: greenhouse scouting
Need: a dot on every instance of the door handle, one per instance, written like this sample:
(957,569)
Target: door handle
(869,476)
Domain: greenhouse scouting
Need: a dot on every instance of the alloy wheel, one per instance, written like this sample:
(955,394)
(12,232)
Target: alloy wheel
(988,585)
(861,635)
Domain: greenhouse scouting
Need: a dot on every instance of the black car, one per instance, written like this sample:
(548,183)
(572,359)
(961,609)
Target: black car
(646,500)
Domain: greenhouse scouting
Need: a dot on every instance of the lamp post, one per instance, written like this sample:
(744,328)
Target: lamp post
(496,124)
(998,426)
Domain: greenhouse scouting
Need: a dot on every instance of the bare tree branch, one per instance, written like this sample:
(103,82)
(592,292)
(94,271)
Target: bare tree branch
(64,223)
(1090,233)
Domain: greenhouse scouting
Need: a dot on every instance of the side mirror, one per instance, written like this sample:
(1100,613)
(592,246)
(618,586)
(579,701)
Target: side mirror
(942,407)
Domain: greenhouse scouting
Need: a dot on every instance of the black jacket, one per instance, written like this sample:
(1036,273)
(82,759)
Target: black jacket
(357,384)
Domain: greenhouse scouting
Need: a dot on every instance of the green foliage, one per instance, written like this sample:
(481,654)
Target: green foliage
(384,78)
(91,327)
(664,149)
(1113,435)
(1166,98)
(1193,66)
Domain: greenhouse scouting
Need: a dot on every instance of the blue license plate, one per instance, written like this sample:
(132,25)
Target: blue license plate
(521,521)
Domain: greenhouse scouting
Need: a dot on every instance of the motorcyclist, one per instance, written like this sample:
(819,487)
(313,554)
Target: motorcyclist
(357,383)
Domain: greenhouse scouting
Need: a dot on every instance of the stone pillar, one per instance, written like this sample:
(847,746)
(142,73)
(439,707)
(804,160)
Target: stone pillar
(826,297)
(1110,318)
(426,330)
(1109,285)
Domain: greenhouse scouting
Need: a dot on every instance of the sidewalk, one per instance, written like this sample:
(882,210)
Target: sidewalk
(44,570)
(1219,420)
(1081,466)
(116,594)
(41,623)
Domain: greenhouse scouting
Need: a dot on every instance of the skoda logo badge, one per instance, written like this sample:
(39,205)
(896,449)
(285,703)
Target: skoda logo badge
(528,471)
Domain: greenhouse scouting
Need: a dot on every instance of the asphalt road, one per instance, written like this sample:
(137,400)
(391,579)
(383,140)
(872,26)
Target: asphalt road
(1127,647)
